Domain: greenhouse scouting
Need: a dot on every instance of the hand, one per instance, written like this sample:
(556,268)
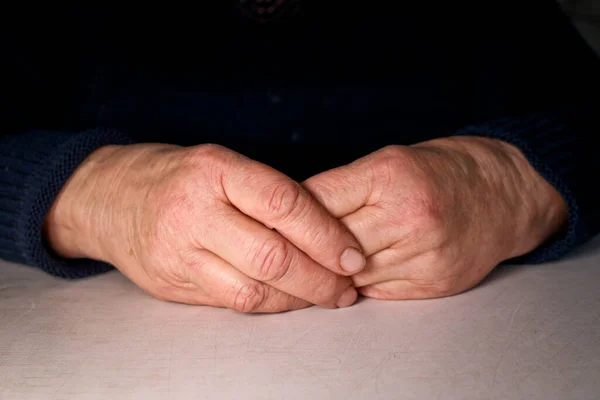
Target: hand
(205,225)
(435,218)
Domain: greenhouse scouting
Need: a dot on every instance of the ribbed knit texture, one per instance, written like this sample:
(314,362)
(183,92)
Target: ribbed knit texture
(33,169)
(290,94)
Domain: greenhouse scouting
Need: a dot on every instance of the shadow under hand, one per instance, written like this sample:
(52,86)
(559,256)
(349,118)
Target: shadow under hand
(501,272)
(587,250)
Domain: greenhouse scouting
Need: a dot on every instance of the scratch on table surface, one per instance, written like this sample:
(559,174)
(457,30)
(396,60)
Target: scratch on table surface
(345,355)
(213,326)
(514,314)
(170,358)
(575,337)
(304,332)
(250,337)
(503,354)
(64,382)
(511,342)
(361,348)
(32,307)
(378,370)
(491,301)
(496,372)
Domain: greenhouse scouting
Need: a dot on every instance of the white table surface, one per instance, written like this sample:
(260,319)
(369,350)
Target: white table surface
(530,332)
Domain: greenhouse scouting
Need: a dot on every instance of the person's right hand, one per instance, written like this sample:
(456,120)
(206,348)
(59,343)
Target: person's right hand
(205,225)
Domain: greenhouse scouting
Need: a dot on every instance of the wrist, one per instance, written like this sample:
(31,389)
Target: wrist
(545,213)
(71,226)
(96,214)
(537,210)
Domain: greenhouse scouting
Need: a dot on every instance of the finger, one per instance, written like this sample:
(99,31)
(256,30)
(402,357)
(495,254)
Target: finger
(416,279)
(278,202)
(375,230)
(408,290)
(388,264)
(341,190)
(268,257)
(427,272)
(232,289)
(395,290)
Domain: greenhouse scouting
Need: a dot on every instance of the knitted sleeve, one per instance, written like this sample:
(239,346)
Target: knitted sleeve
(555,79)
(33,168)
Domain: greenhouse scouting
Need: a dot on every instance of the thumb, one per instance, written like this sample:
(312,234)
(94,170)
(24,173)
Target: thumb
(341,190)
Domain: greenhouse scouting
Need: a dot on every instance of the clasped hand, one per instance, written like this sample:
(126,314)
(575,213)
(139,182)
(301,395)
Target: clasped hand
(205,225)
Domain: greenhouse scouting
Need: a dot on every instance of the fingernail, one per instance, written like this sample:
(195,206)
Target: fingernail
(352,260)
(347,298)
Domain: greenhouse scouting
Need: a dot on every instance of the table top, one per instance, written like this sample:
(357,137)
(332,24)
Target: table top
(526,332)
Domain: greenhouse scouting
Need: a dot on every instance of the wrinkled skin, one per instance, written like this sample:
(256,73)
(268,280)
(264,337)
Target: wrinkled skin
(205,225)
(434,219)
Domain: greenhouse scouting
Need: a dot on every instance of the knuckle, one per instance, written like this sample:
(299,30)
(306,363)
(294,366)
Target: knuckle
(248,298)
(207,162)
(283,200)
(386,167)
(393,157)
(272,260)
(199,155)
(392,151)
(384,171)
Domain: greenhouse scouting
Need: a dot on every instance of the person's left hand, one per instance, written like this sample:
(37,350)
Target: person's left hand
(435,218)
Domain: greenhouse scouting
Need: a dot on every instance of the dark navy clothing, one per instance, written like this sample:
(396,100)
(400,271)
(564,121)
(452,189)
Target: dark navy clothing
(302,91)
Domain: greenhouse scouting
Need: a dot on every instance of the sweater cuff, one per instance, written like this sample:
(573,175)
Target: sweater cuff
(33,169)
(555,149)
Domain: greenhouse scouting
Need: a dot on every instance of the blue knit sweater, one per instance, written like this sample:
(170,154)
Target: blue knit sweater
(302,91)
